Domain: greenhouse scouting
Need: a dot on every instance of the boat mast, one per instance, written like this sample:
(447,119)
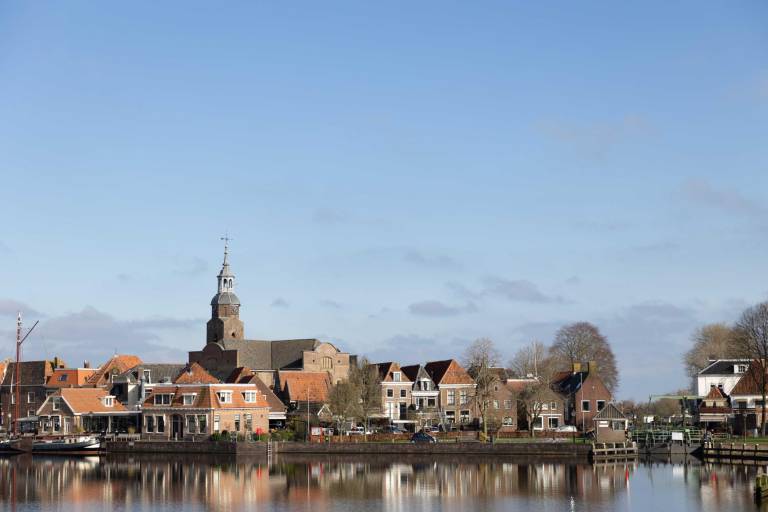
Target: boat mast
(17,369)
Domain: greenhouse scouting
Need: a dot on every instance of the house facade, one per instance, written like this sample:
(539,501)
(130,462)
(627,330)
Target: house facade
(584,394)
(75,410)
(424,410)
(747,400)
(721,373)
(455,391)
(396,390)
(195,411)
(33,389)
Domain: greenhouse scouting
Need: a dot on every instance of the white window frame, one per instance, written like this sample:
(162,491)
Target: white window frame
(249,397)
(55,406)
(396,377)
(225,396)
(189,398)
(588,408)
(30,397)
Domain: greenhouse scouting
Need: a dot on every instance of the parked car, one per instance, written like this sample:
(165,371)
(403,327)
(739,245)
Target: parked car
(357,431)
(432,429)
(566,428)
(422,437)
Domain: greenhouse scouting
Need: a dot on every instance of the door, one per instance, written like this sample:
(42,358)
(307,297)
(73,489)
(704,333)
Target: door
(177,426)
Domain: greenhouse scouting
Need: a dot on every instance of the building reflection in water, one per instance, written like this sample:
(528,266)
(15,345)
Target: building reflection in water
(322,483)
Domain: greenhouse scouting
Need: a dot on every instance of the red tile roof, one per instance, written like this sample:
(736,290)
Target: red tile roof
(205,397)
(195,374)
(715,393)
(301,386)
(116,365)
(244,375)
(749,383)
(69,377)
(89,400)
(448,372)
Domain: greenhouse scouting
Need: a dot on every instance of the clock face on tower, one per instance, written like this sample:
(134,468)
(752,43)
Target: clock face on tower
(234,309)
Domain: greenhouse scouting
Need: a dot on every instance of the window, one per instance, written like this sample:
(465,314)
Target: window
(250,397)
(451,397)
(189,399)
(552,406)
(463,396)
(396,376)
(248,423)
(465,416)
(545,406)
(585,405)
(56,423)
(202,423)
(554,423)
(741,368)
(147,378)
(237,423)
(216,422)
(109,401)
(431,402)
(163,399)
(30,397)
(63,377)
(450,416)
(225,397)
(326,363)
(403,393)
(508,420)
(150,424)
(507,404)
(538,422)
(191,423)
(390,393)
(30,413)
(600,405)
(495,404)
(55,404)
(161,424)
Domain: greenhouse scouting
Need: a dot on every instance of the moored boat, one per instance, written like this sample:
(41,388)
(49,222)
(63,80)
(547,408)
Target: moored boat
(10,445)
(67,444)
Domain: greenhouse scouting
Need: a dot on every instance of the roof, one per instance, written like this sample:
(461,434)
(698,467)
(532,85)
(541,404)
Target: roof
(205,397)
(386,369)
(69,377)
(31,373)
(715,393)
(194,374)
(569,382)
(225,298)
(500,373)
(610,412)
(271,355)
(723,367)
(301,386)
(117,364)
(244,375)
(749,383)
(518,385)
(448,372)
(89,400)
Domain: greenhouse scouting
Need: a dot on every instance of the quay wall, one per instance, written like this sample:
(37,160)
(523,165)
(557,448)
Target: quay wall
(736,451)
(188,447)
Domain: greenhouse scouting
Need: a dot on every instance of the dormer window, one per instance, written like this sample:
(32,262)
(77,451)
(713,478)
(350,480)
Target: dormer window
(225,397)
(55,403)
(163,399)
(249,397)
(396,376)
(147,377)
(740,368)
(63,377)
(189,398)
(108,401)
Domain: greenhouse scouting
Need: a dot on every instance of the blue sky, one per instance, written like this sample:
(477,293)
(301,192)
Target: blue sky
(398,178)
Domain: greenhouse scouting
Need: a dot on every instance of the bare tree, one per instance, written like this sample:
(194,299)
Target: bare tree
(712,341)
(344,402)
(526,361)
(752,334)
(365,377)
(480,358)
(583,342)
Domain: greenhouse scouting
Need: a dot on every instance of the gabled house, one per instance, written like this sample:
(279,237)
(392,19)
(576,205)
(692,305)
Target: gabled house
(69,377)
(456,391)
(195,411)
(539,407)
(584,393)
(133,386)
(193,373)
(424,409)
(721,373)
(502,413)
(715,410)
(747,399)
(395,392)
(34,376)
(72,410)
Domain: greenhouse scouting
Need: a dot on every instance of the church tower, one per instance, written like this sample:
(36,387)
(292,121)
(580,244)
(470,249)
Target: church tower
(225,323)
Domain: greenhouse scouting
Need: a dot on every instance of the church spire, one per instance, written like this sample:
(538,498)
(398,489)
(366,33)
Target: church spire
(225,306)
(226,277)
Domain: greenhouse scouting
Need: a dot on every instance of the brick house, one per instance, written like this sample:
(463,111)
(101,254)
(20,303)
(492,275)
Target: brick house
(306,396)
(549,404)
(71,410)
(69,377)
(584,394)
(456,390)
(424,410)
(33,390)
(182,411)
(107,372)
(396,390)
(746,399)
(277,409)
(502,413)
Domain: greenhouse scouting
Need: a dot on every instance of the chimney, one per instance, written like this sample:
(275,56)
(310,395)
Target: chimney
(576,367)
(86,364)
(593,367)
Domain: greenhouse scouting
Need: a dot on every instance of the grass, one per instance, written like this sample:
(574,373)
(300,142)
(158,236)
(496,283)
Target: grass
(543,439)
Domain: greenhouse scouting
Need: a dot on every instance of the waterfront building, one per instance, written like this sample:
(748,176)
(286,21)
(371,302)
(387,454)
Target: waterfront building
(502,412)
(134,385)
(721,373)
(70,377)
(584,393)
(456,390)
(277,409)
(424,410)
(195,411)
(114,366)
(715,410)
(227,348)
(747,399)
(396,387)
(34,376)
(74,410)
(548,404)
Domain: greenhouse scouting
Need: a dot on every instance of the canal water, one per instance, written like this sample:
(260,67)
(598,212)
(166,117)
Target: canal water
(364,484)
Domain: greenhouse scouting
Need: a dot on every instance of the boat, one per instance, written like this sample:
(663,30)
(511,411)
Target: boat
(10,445)
(67,444)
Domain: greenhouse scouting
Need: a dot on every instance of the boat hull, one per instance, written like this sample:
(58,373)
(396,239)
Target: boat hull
(89,444)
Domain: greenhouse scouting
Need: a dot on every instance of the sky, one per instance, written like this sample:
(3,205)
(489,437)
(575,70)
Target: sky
(398,178)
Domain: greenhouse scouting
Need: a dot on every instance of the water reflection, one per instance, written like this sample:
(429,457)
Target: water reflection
(359,483)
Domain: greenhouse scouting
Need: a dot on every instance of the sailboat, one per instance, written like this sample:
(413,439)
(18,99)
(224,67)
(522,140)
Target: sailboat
(14,442)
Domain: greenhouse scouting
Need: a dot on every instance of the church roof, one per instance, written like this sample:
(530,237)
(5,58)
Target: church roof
(270,355)
(225,298)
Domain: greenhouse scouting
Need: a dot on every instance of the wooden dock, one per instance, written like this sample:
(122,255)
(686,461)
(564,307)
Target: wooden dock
(742,451)
(614,451)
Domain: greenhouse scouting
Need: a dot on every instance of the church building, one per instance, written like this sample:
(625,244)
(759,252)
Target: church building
(227,349)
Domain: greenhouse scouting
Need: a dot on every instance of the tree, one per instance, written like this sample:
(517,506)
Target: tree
(583,342)
(344,402)
(752,336)
(711,341)
(527,360)
(480,359)
(365,377)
